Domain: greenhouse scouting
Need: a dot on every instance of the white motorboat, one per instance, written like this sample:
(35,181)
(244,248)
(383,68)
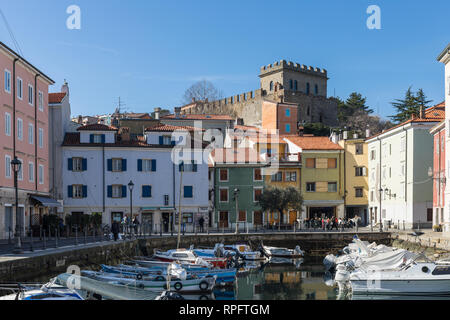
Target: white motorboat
(245,252)
(282,252)
(188,256)
(49,291)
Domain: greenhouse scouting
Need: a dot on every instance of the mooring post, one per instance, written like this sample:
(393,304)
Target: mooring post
(31,239)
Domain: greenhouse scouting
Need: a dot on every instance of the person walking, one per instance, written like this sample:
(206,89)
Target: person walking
(201,221)
(115,230)
(136,224)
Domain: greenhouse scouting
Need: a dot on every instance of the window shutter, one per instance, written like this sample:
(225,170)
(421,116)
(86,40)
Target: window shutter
(84,191)
(103,138)
(109,191)
(70,164)
(188,191)
(84,164)
(91,138)
(364,171)
(172,143)
(194,167)
(124,191)
(124,164)
(146,191)
(109,164)
(153,165)
(70,191)
(161,140)
(139,165)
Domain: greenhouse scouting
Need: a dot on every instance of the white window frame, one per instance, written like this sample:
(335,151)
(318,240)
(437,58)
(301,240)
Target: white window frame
(30,95)
(77,191)
(8,124)
(19,88)
(288,176)
(30,171)
(77,164)
(8,168)
(30,134)
(116,191)
(20,129)
(41,174)
(20,172)
(41,100)
(7,80)
(41,138)
(118,166)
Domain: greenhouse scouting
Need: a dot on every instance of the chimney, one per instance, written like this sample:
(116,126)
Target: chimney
(65,88)
(124,134)
(157,113)
(355,136)
(421,113)
(301,131)
(80,119)
(334,137)
(345,137)
(367,133)
(193,100)
(177,112)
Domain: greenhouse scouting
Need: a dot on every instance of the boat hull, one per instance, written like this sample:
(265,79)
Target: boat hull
(403,287)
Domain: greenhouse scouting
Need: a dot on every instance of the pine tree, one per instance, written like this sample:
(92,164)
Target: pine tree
(410,105)
(356,102)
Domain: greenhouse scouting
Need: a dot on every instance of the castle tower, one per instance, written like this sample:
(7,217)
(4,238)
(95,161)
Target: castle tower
(288,78)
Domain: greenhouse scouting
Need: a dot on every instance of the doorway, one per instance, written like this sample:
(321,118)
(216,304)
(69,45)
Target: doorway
(166,221)
(223,219)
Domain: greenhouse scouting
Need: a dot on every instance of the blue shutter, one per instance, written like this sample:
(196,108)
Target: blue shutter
(146,191)
(140,165)
(188,191)
(161,140)
(109,164)
(109,191)
(103,138)
(124,165)
(194,167)
(172,143)
(69,191)
(84,164)
(70,164)
(91,138)
(124,191)
(153,165)
(84,191)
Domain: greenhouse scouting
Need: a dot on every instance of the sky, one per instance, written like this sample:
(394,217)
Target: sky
(149,52)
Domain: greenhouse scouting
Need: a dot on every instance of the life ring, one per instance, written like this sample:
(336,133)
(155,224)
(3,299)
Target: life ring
(425,269)
(203,285)
(159,278)
(139,276)
(178,286)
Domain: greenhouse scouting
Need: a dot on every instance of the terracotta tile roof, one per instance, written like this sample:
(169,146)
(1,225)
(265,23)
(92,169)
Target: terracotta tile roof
(73,139)
(313,143)
(267,139)
(170,128)
(97,127)
(198,117)
(236,155)
(56,97)
(432,114)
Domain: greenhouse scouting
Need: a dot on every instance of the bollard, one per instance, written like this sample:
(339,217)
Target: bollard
(31,240)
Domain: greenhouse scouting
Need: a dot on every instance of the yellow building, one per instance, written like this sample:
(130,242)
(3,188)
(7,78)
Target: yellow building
(356,178)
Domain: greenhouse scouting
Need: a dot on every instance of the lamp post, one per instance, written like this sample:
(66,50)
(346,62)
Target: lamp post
(381,194)
(130,187)
(236,199)
(16,164)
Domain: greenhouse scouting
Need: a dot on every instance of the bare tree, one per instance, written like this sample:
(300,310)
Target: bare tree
(201,91)
(360,121)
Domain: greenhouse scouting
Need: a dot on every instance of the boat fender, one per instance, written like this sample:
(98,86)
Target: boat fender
(178,286)
(160,278)
(141,286)
(203,297)
(139,276)
(203,285)
(425,269)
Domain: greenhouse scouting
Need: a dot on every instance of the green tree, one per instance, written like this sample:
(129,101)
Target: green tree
(280,200)
(356,102)
(409,105)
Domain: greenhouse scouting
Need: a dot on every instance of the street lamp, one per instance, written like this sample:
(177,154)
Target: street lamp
(16,164)
(130,187)
(236,198)
(381,194)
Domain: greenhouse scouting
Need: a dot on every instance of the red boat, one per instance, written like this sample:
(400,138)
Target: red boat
(187,256)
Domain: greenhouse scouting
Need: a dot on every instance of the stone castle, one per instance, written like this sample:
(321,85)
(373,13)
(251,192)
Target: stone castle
(284,82)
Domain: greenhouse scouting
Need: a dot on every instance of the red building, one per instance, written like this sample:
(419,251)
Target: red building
(438,173)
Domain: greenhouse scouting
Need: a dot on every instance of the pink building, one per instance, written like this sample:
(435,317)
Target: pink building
(23,134)
(439,179)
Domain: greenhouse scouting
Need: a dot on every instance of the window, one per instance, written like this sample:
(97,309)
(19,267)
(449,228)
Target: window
(7,166)
(291,84)
(223,175)
(20,129)
(332,186)
(165,140)
(288,112)
(116,165)
(147,165)
(188,167)
(20,172)
(19,88)
(7,81)
(30,171)
(359,148)
(166,199)
(77,164)
(7,124)
(291,176)
(223,195)
(77,191)
(117,191)
(271,85)
(146,191)
(41,174)
(257,176)
(30,133)
(371,195)
(188,191)
(307,88)
(316,89)
(360,171)
(372,154)
(310,187)
(277,177)
(242,216)
(41,101)
(403,144)
(358,192)
(332,163)
(257,192)
(295,85)
(30,94)
(41,138)
(188,217)
(288,128)
(311,163)
(97,138)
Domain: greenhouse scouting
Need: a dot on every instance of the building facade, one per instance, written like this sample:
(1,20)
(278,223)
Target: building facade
(438,175)
(24,124)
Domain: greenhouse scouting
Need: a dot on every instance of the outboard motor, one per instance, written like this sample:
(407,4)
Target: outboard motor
(171,295)
(298,251)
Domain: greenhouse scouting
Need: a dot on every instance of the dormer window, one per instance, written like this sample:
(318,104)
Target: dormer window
(97,138)
(165,140)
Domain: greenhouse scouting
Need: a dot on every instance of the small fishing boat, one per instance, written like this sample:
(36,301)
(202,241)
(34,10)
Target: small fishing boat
(148,263)
(48,291)
(245,252)
(188,256)
(281,252)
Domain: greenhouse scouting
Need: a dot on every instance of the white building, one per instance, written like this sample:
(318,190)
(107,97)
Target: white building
(399,159)
(444,57)
(100,163)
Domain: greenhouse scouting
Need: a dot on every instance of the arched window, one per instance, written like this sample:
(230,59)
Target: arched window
(291,84)
(316,89)
(307,88)
(271,85)
(295,85)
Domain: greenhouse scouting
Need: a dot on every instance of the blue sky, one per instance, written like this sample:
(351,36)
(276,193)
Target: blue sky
(150,52)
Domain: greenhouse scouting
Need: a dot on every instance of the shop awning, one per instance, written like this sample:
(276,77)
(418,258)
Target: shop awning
(47,202)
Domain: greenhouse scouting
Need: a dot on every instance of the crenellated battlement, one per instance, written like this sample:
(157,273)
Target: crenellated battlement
(289,65)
